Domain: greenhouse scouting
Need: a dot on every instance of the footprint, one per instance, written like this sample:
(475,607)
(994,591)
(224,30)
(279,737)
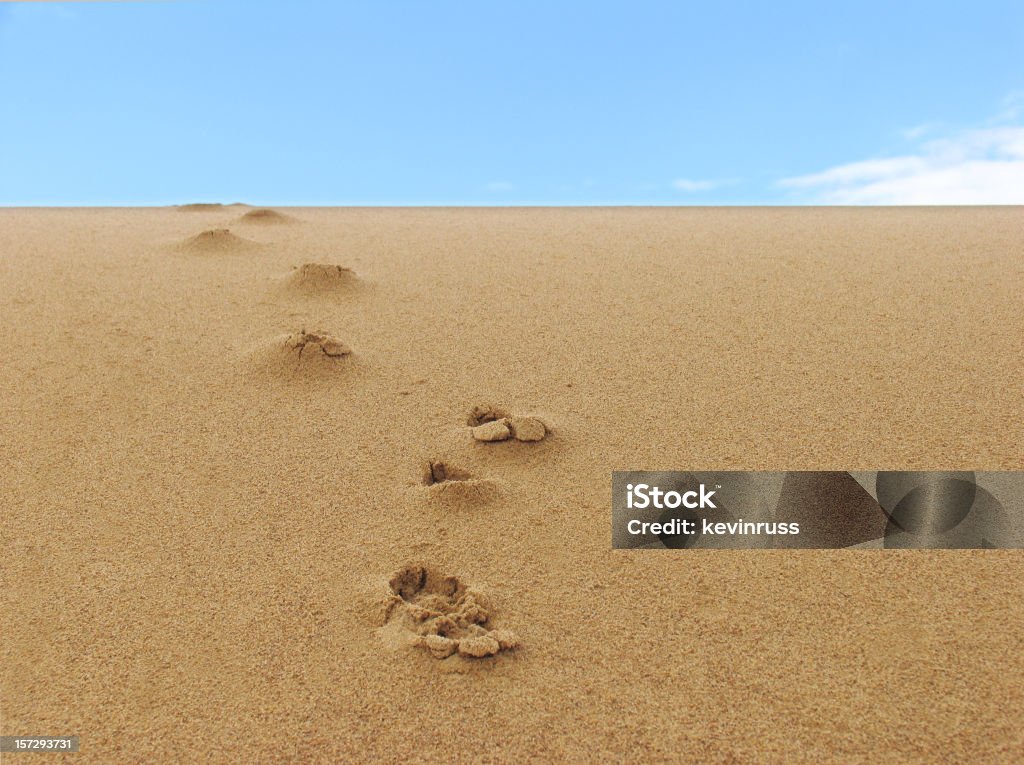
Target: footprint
(439,472)
(489,424)
(266,216)
(484,413)
(218,241)
(320,279)
(303,350)
(452,484)
(317,343)
(441,615)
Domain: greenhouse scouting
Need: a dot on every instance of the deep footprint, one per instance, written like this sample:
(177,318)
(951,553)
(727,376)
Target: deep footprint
(437,471)
(456,487)
(443,616)
(484,413)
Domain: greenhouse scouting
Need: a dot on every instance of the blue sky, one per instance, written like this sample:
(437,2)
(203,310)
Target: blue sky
(412,102)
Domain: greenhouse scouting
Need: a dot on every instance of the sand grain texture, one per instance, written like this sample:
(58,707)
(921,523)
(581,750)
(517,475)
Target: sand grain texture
(197,551)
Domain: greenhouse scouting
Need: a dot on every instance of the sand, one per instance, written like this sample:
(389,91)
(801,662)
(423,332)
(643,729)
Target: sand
(210,517)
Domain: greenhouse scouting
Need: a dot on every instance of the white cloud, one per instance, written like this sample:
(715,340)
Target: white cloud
(498,186)
(983,166)
(686,184)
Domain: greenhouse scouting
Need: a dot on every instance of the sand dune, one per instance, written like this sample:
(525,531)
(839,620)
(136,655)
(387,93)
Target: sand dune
(231,536)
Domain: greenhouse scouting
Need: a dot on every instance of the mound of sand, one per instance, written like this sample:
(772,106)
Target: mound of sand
(310,351)
(320,279)
(265,217)
(441,615)
(217,241)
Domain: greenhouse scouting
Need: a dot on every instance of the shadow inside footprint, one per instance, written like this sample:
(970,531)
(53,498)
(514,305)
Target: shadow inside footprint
(484,413)
(455,486)
(442,615)
(438,472)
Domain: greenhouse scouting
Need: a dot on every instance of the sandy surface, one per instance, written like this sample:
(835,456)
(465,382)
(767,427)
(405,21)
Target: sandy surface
(203,507)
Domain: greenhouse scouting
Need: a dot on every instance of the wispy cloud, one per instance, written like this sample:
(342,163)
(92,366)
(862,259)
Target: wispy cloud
(918,131)
(499,186)
(691,186)
(980,166)
(1012,107)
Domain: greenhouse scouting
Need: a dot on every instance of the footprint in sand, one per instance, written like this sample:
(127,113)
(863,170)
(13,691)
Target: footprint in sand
(316,343)
(320,279)
(266,217)
(490,424)
(218,241)
(441,615)
(450,483)
(311,351)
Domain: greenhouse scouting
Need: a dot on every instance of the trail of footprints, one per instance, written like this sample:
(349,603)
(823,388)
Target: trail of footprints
(223,240)
(439,613)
